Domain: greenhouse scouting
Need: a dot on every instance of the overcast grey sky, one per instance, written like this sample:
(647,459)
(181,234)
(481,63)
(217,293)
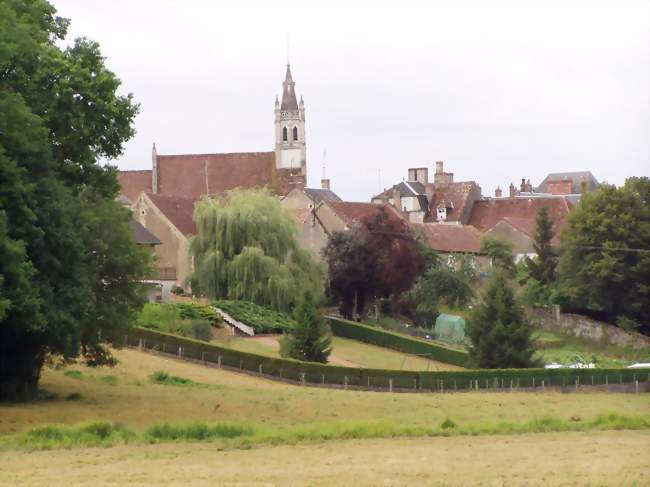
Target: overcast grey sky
(498,93)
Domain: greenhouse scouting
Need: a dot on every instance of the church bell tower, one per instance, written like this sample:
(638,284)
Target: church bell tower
(290,148)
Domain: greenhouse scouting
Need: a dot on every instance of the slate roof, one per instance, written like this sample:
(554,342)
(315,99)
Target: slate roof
(141,235)
(487,213)
(317,195)
(451,237)
(134,182)
(178,210)
(289,101)
(574,177)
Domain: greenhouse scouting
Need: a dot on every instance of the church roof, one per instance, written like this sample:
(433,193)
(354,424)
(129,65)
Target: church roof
(194,175)
(289,101)
(134,182)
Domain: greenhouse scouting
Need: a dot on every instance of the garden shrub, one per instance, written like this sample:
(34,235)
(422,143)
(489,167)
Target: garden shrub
(192,320)
(201,330)
(262,320)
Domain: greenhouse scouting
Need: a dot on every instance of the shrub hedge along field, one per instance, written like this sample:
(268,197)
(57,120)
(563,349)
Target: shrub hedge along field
(402,343)
(315,373)
(262,320)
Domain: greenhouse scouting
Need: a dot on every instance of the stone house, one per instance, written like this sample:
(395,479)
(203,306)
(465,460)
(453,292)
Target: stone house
(170,218)
(454,241)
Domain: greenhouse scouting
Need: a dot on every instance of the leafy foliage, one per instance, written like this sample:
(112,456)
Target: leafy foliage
(246,249)
(309,340)
(500,253)
(437,286)
(604,269)
(376,259)
(262,320)
(182,319)
(501,338)
(69,270)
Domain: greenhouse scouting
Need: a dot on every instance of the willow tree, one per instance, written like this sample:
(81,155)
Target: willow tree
(246,248)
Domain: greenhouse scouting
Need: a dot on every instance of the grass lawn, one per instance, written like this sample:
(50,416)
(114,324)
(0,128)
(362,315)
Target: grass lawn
(345,352)
(602,458)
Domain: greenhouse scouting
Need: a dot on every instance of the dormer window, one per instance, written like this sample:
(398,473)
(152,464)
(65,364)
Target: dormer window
(285,134)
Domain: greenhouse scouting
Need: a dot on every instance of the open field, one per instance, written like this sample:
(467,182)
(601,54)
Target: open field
(599,458)
(126,395)
(307,423)
(350,353)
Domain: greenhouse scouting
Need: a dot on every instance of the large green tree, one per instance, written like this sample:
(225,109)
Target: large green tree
(542,266)
(500,336)
(499,251)
(69,265)
(604,268)
(246,249)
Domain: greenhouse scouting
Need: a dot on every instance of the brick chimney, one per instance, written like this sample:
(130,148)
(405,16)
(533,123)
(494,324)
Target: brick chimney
(419,174)
(325,183)
(498,192)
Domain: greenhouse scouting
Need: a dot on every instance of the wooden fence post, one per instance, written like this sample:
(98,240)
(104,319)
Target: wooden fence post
(241,364)
(368,382)
(345,382)
(636,386)
(322,379)
(302,378)
(543,388)
(203,357)
(390,385)
(219,361)
(179,352)
(260,369)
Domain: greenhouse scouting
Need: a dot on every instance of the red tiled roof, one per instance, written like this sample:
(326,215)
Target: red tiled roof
(134,182)
(524,225)
(487,213)
(353,212)
(185,174)
(178,210)
(451,237)
(458,196)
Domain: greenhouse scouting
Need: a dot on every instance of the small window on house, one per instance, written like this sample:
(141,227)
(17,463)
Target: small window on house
(295,133)
(285,134)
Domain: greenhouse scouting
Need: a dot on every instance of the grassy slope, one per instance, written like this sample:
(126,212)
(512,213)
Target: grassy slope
(130,398)
(603,458)
(359,353)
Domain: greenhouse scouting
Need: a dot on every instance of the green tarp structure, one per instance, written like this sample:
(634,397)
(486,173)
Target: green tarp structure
(450,328)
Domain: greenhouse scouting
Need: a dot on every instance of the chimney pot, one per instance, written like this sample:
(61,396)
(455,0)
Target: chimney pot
(325,183)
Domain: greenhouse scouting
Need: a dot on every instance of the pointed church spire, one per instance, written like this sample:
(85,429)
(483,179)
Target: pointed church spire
(289,101)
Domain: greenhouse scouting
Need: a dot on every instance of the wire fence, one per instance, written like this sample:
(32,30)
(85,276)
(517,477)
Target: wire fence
(322,375)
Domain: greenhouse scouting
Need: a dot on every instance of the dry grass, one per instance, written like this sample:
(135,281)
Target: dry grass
(603,458)
(132,399)
(346,352)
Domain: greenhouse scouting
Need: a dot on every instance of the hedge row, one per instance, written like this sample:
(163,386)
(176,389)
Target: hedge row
(396,341)
(315,373)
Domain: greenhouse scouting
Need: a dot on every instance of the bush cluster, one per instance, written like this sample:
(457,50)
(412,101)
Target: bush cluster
(191,320)
(262,320)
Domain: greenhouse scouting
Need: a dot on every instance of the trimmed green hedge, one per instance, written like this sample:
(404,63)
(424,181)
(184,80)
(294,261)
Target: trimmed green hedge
(261,319)
(316,373)
(388,339)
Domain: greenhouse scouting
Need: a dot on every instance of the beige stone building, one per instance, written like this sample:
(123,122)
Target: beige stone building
(170,219)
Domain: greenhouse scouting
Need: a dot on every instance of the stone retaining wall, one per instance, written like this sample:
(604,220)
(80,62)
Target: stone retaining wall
(583,327)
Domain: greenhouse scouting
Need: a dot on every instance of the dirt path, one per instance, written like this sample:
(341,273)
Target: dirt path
(272,341)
